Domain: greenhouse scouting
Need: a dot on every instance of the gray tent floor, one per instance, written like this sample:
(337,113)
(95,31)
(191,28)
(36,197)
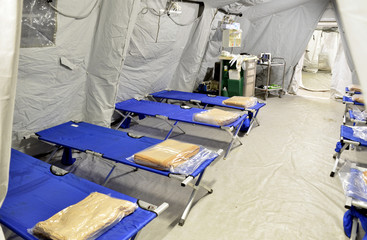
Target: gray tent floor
(275,186)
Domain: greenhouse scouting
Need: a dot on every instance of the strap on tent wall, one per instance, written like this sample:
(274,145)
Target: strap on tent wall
(10,12)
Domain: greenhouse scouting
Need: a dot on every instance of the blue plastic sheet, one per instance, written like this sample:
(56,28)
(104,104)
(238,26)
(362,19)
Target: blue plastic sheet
(35,194)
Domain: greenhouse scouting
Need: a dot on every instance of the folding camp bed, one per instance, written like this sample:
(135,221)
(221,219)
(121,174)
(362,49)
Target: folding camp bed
(354,119)
(355,188)
(346,139)
(116,146)
(203,100)
(35,194)
(348,101)
(170,112)
(349,91)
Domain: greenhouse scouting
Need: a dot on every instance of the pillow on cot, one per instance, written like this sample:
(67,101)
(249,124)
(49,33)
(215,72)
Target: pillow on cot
(216,117)
(239,101)
(166,155)
(84,219)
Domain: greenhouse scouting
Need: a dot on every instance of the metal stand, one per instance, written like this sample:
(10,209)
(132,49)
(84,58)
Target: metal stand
(269,65)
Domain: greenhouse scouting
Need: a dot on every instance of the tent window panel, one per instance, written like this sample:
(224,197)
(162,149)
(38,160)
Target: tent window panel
(38,24)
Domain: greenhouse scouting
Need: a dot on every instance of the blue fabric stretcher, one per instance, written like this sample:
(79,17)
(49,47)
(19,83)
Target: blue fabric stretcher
(349,100)
(115,146)
(346,139)
(204,100)
(354,119)
(35,194)
(174,113)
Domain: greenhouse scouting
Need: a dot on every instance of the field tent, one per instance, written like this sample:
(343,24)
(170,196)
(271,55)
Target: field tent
(74,60)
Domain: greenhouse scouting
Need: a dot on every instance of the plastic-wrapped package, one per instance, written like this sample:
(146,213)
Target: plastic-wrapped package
(358,114)
(174,156)
(354,181)
(360,132)
(355,88)
(358,98)
(239,101)
(86,219)
(216,117)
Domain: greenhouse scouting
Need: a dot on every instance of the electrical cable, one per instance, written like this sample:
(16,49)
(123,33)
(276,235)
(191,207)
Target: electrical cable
(73,16)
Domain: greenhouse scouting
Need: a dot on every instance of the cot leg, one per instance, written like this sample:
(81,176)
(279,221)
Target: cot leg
(253,120)
(135,237)
(53,153)
(67,157)
(353,235)
(337,157)
(125,116)
(108,176)
(191,200)
(172,128)
(235,136)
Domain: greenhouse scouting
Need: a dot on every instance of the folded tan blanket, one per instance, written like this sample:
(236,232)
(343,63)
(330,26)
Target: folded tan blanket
(355,88)
(166,155)
(216,117)
(239,101)
(358,98)
(84,219)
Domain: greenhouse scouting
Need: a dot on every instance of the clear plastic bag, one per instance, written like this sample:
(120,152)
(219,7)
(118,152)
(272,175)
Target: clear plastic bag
(174,156)
(240,101)
(358,114)
(360,132)
(216,117)
(87,219)
(353,180)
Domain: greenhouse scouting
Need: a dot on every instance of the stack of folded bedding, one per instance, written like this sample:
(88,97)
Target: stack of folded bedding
(85,219)
(358,98)
(216,117)
(166,155)
(239,101)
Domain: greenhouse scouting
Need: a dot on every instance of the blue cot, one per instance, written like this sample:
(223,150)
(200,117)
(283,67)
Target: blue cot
(170,112)
(203,100)
(116,146)
(35,194)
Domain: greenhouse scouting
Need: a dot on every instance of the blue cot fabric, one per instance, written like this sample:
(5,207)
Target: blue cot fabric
(35,194)
(349,100)
(348,221)
(347,133)
(173,112)
(203,98)
(112,144)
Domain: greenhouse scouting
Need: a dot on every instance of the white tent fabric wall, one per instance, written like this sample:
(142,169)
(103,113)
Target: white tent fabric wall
(341,74)
(296,82)
(49,93)
(282,28)
(10,15)
(354,21)
(115,26)
(156,48)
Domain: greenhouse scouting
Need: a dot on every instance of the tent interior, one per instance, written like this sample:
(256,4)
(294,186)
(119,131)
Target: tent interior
(74,60)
